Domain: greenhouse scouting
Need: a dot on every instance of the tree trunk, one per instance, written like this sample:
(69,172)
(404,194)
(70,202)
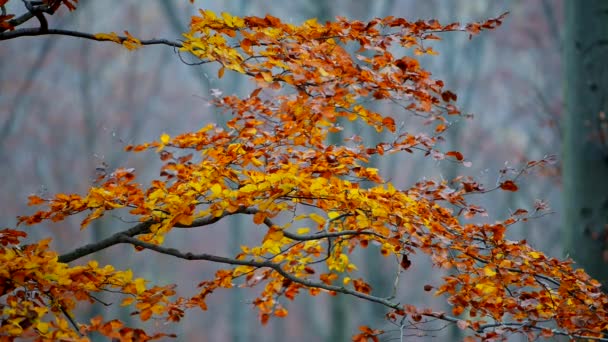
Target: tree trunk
(585,169)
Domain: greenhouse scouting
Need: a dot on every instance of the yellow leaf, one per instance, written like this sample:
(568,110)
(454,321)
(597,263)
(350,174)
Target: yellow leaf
(13,328)
(186,220)
(333,214)
(241,270)
(338,263)
(43,327)
(216,189)
(267,76)
(249,188)
(488,271)
(346,280)
(140,285)
(303,230)
(486,288)
(272,246)
(112,36)
(228,19)
(275,234)
(131,42)
(164,138)
(311,22)
(300,217)
(535,255)
(256,162)
(208,14)
(317,218)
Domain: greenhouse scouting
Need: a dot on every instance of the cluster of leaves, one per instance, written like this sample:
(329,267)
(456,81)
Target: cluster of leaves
(34,285)
(316,202)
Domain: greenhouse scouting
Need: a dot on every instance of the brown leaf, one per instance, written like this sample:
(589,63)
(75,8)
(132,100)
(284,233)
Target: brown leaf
(508,186)
(405,262)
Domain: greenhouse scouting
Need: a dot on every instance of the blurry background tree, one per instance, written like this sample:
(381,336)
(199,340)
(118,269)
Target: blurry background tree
(586,136)
(87,99)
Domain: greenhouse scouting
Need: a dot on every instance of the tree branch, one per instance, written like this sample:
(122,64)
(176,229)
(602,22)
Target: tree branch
(38,11)
(31,32)
(141,228)
(18,21)
(123,238)
(533,326)
(115,239)
(269,223)
(34,10)
(127,237)
(144,228)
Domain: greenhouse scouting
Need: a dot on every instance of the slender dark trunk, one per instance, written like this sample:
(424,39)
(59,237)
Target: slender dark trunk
(585,148)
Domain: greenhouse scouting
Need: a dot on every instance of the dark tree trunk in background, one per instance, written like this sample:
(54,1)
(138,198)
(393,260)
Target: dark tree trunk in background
(585,169)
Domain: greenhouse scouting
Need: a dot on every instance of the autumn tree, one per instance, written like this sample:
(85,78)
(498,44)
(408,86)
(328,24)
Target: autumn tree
(315,199)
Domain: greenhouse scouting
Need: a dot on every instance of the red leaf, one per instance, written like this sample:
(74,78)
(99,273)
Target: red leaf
(455,154)
(520,212)
(508,186)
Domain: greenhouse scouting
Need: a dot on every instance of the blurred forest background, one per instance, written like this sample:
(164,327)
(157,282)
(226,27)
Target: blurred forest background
(68,107)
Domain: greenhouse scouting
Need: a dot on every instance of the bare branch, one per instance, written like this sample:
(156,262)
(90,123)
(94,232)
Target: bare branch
(31,32)
(91,248)
(141,228)
(38,12)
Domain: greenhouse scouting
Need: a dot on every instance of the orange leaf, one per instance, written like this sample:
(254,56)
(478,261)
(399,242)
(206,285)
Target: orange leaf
(389,123)
(259,217)
(457,310)
(246,46)
(34,200)
(281,312)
